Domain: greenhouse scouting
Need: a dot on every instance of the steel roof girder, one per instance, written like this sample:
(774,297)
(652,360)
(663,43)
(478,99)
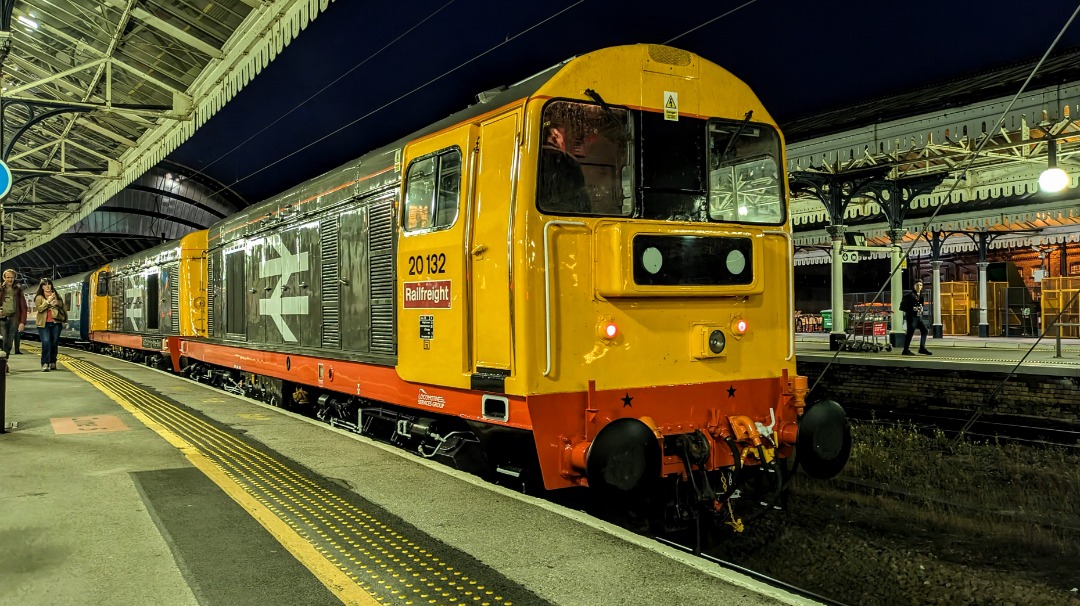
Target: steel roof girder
(106,54)
(144,76)
(147,77)
(254,44)
(986,217)
(1003,182)
(134,114)
(38,71)
(69,142)
(916,132)
(176,33)
(105,132)
(56,76)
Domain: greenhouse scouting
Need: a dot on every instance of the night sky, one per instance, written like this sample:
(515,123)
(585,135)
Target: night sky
(365,74)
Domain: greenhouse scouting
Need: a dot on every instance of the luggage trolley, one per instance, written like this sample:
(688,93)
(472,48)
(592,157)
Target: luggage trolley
(868,329)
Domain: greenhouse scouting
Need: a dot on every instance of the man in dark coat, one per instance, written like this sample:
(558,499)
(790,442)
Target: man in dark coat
(12,310)
(561,188)
(912,306)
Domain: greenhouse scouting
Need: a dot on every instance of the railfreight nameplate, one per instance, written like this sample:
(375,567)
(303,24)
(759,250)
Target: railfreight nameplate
(432,294)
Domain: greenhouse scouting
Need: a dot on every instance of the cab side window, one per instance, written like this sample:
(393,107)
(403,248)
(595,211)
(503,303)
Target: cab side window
(432,191)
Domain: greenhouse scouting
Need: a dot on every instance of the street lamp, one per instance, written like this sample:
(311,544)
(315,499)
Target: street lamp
(1053,179)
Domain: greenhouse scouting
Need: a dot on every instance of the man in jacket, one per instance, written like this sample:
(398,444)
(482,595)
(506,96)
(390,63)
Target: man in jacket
(12,310)
(22,321)
(912,306)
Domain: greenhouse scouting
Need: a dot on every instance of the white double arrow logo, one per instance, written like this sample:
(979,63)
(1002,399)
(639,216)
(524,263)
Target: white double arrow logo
(277,306)
(133,294)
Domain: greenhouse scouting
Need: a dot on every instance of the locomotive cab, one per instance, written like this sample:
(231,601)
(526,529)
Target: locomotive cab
(612,256)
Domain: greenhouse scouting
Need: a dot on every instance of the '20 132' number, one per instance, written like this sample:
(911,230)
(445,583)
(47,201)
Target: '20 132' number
(434,263)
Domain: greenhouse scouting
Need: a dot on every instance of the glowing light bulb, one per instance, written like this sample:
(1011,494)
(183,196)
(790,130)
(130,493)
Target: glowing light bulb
(1053,180)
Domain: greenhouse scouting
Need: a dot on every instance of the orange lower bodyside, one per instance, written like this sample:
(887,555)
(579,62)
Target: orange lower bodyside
(131,341)
(562,424)
(565,424)
(369,381)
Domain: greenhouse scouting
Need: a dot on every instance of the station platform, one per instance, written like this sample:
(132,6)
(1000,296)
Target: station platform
(123,485)
(1022,355)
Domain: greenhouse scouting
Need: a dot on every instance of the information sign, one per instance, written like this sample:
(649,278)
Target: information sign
(5,179)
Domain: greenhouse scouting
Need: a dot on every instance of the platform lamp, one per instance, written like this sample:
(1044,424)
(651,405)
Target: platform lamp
(1053,179)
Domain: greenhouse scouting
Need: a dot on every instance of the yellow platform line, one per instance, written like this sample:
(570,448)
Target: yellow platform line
(312,510)
(286,480)
(337,581)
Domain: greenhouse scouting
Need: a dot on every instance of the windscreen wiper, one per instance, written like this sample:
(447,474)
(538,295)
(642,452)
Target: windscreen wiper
(595,96)
(731,141)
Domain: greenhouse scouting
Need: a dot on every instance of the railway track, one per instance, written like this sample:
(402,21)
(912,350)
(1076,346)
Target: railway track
(989,428)
(757,576)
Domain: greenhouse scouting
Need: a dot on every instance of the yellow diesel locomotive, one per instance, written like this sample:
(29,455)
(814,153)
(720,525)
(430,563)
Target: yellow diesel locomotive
(585,277)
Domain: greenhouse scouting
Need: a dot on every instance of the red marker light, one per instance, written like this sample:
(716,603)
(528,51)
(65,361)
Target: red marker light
(611,330)
(740,326)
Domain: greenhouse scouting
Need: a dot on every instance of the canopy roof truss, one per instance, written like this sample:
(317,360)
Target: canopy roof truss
(1009,159)
(96,92)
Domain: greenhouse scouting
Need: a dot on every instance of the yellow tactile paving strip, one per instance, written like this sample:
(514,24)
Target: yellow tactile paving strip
(355,547)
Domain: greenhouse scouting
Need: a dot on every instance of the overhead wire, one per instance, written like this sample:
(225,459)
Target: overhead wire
(325,88)
(406,94)
(925,228)
(710,21)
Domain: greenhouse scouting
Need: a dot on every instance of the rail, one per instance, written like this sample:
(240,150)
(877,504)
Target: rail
(1057,348)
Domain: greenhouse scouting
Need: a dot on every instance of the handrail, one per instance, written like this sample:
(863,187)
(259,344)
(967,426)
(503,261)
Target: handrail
(790,287)
(547,286)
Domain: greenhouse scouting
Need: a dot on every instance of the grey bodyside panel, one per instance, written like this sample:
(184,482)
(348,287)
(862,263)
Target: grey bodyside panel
(232,293)
(356,289)
(254,291)
(305,285)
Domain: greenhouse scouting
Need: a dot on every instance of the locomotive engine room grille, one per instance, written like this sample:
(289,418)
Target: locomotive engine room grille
(692,260)
(174,290)
(381,258)
(211,289)
(331,288)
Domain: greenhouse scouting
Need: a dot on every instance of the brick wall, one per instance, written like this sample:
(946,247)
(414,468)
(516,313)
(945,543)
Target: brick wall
(904,387)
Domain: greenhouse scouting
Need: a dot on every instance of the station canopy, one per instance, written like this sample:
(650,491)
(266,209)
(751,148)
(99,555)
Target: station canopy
(95,93)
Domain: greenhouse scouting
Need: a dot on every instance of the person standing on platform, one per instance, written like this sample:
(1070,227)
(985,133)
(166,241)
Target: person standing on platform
(51,315)
(22,320)
(12,311)
(912,306)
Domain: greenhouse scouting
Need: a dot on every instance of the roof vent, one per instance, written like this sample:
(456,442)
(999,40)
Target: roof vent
(489,94)
(668,55)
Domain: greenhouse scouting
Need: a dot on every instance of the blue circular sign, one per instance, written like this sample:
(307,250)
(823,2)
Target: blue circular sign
(5,179)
